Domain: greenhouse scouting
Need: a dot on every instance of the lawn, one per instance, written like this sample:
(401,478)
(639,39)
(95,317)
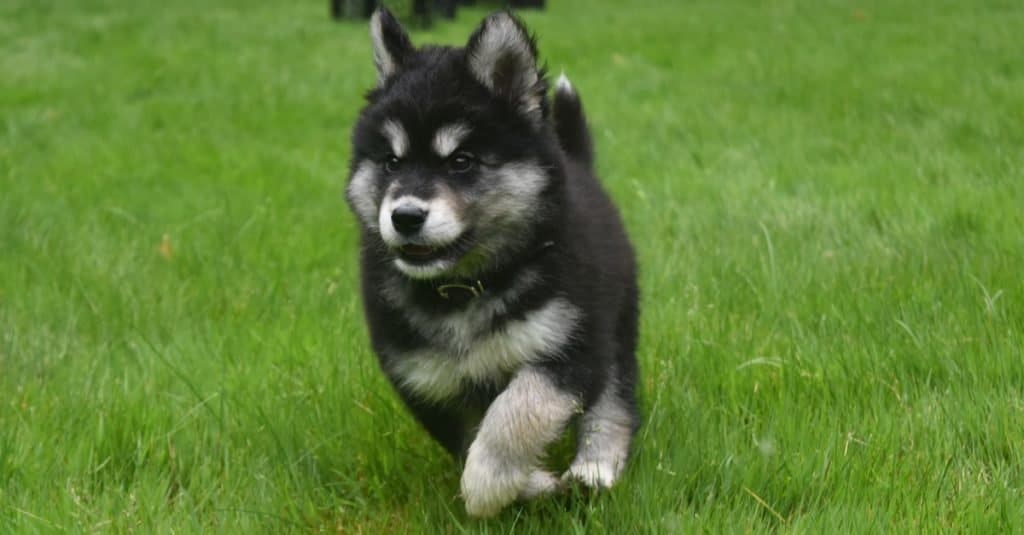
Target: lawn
(827,199)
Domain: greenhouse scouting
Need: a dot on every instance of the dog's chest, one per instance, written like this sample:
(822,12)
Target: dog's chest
(466,352)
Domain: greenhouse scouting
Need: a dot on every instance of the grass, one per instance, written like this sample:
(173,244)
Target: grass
(826,199)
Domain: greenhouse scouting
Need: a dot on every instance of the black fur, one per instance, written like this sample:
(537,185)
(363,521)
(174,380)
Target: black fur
(571,126)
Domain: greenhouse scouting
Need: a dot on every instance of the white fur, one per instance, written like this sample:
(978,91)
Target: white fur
(563,84)
(594,474)
(513,194)
(430,270)
(397,137)
(441,228)
(449,137)
(522,180)
(386,64)
(502,462)
(362,192)
(540,482)
(603,443)
(440,374)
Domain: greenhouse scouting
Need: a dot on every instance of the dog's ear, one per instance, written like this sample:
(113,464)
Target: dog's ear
(391,45)
(503,57)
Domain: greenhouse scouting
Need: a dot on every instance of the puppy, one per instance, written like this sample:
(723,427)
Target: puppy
(498,282)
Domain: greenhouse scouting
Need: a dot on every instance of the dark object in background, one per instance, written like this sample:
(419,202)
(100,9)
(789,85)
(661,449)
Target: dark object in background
(514,4)
(352,9)
(446,8)
(416,11)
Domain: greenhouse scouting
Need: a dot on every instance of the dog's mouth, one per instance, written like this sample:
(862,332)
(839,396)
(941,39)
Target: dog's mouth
(422,254)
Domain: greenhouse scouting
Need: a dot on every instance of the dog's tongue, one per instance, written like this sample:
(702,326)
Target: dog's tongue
(417,250)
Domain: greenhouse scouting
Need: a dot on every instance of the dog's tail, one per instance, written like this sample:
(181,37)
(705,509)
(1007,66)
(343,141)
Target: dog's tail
(571,124)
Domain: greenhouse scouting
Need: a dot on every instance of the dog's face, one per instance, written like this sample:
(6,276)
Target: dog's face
(451,160)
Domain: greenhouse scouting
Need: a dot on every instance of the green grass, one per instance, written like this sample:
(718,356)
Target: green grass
(827,201)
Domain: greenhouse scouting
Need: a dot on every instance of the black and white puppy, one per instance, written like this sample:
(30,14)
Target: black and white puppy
(498,281)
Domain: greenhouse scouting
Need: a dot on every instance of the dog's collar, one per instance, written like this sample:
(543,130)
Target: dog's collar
(476,289)
(461,291)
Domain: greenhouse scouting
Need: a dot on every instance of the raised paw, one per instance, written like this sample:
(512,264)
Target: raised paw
(490,483)
(539,483)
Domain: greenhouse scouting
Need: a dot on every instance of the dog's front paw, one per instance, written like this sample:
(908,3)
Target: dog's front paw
(592,473)
(490,482)
(540,482)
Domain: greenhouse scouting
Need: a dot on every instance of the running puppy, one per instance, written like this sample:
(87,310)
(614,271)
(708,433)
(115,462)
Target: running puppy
(498,281)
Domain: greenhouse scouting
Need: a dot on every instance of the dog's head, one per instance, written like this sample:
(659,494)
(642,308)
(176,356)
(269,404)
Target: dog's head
(452,156)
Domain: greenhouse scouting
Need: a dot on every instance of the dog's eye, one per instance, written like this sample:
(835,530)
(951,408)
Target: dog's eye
(462,162)
(391,163)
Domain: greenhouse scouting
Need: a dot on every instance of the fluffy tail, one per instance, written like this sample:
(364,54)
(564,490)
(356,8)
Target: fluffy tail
(570,123)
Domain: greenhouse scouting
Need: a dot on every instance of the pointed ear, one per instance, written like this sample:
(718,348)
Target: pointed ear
(503,57)
(391,45)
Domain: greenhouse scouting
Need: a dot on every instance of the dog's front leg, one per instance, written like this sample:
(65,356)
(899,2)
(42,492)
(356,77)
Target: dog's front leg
(503,460)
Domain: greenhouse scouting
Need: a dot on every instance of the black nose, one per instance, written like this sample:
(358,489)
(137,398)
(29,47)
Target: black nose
(408,219)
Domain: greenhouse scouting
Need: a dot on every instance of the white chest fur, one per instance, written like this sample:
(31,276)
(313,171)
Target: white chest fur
(480,359)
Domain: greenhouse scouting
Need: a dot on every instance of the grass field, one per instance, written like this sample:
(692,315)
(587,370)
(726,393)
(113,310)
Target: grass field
(826,197)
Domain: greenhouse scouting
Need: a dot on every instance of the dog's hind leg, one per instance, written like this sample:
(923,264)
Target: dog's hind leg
(603,441)
(607,428)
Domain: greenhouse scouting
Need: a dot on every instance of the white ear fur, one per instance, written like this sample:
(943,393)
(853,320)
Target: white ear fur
(502,57)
